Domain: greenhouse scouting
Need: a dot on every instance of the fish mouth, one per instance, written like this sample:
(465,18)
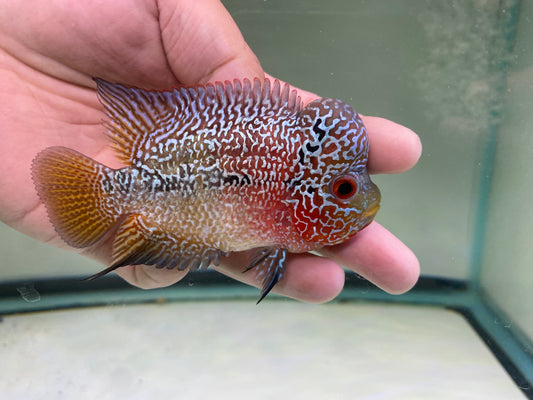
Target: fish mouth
(371,211)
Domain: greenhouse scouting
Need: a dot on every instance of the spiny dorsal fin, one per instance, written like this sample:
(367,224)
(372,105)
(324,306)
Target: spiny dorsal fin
(137,117)
(133,115)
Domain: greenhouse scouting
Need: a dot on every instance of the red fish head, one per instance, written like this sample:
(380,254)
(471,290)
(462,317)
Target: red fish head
(332,196)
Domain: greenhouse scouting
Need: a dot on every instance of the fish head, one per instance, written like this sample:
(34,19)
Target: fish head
(332,196)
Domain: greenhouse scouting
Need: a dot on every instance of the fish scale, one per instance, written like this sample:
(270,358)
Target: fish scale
(211,170)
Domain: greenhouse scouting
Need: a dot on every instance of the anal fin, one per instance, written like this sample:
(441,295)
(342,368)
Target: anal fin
(139,242)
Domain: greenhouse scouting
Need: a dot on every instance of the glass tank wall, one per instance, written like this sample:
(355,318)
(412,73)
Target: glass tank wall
(505,268)
(460,74)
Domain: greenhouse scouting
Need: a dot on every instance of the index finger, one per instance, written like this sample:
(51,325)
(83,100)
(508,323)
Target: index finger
(393,147)
(379,256)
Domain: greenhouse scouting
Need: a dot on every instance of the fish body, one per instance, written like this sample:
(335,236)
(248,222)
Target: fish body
(210,170)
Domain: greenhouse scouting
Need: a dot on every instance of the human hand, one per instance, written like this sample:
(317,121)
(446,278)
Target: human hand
(47,61)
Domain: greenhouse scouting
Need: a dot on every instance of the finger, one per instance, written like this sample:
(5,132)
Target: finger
(393,147)
(149,277)
(380,257)
(307,277)
(203,43)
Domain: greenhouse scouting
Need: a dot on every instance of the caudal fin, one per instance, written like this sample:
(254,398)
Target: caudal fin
(72,187)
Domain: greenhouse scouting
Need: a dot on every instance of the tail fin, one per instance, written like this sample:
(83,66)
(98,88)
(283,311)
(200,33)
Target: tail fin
(72,187)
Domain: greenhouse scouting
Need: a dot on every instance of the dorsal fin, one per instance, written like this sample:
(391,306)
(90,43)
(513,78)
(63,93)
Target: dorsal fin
(138,116)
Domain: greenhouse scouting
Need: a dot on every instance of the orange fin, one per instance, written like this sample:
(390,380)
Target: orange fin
(71,187)
(138,242)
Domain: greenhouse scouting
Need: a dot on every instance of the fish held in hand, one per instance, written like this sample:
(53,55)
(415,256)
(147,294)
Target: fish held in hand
(210,170)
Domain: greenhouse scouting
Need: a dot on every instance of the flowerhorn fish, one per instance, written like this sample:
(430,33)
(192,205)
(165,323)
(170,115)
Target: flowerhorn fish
(211,170)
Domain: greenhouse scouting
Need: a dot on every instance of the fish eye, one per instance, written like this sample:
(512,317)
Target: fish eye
(344,187)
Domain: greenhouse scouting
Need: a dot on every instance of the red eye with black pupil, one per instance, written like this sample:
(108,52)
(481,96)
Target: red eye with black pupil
(344,187)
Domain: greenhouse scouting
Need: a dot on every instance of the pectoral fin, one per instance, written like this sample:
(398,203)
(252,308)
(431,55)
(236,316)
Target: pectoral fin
(139,242)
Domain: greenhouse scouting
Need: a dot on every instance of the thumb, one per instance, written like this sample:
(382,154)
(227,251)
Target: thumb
(203,43)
